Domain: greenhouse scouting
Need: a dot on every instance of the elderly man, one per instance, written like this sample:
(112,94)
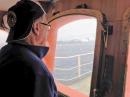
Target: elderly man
(22,73)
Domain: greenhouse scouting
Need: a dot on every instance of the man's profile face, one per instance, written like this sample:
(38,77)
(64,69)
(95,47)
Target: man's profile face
(44,28)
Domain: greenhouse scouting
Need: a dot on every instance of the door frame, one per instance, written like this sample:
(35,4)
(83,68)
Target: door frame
(97,51)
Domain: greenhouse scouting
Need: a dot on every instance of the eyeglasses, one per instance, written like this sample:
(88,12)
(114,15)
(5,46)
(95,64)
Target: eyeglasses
(46,24)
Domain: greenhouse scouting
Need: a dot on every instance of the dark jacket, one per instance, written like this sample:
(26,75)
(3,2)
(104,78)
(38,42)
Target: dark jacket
(23,74)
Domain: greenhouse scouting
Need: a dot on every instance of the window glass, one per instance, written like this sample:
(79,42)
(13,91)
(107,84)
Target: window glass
(75,53)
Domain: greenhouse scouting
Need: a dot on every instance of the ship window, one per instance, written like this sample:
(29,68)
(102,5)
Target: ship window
(75,54)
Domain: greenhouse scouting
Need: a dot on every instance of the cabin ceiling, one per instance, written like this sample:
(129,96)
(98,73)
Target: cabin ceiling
(5,4)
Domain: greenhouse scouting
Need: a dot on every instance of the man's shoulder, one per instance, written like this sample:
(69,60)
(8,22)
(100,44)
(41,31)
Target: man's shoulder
(18,53)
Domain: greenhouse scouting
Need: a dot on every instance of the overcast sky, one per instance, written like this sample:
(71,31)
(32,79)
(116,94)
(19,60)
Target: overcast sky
(79,29)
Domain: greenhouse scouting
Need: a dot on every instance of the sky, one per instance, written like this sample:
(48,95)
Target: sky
(82,29)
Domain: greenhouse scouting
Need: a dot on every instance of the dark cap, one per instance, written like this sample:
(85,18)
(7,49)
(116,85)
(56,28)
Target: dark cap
(20,18)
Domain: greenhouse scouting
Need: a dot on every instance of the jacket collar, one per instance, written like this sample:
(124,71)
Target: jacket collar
(40,51)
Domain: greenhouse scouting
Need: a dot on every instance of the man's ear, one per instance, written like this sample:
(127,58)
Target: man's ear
(35,28)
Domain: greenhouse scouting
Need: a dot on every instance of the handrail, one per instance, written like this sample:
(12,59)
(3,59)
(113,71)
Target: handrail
(57,68)
(74,55)
(79,65)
